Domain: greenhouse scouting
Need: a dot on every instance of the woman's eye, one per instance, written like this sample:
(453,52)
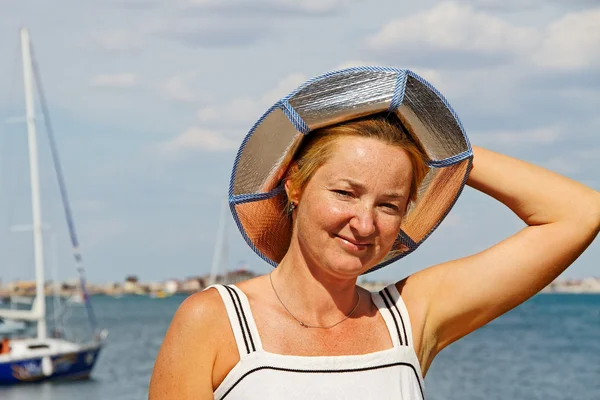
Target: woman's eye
(343,193)
(390,206)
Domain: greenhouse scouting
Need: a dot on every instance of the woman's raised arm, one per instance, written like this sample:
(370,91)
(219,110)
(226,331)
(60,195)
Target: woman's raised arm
(563,218)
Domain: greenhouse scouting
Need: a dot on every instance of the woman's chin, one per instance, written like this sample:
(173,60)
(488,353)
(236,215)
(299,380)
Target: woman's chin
(348,267)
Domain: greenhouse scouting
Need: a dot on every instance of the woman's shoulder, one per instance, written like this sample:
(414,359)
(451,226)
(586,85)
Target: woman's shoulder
(201,310)
(185,361)
(206,309)
(198,323)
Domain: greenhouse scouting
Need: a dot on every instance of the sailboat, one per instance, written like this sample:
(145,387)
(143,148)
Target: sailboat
(43,356)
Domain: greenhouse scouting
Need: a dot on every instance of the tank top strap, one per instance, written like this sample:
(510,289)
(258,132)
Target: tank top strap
(394,312)
(240,318)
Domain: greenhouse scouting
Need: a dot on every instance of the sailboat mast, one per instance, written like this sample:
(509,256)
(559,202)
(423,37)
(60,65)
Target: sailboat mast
(38,246)
(219,251)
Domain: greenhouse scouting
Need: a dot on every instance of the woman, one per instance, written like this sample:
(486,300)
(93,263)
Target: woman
(353,196)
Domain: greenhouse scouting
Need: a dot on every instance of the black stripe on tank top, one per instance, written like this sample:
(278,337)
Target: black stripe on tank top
(237,296)
(328,371)
(237,311)
(389,307)
(399,314)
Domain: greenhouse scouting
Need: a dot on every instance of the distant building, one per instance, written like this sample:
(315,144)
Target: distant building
(193,284)
(155,286)
(131,286)
(22,288)
(112,289)
(172,286)
(238,276)
(585,285)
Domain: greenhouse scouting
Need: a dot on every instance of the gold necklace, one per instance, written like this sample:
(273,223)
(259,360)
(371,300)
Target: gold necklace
(314,326)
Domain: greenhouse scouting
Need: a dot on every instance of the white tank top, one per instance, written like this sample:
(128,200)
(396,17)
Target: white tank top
(394,373)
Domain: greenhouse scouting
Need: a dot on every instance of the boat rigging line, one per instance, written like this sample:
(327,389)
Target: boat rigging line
(63,194)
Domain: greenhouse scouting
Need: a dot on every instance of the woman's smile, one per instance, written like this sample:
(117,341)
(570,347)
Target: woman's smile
(352,246)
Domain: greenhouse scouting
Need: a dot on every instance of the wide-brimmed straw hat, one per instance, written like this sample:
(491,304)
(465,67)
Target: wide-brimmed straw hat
(256,195)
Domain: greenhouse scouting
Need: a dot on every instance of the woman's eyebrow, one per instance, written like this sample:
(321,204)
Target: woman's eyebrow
(359,186)
(394,195)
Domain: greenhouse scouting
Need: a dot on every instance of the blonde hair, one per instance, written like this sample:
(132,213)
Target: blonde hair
(317,148)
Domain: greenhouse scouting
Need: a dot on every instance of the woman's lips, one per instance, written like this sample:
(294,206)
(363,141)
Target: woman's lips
(352,245)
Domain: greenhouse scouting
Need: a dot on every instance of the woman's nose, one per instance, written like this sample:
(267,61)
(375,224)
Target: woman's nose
(363,221)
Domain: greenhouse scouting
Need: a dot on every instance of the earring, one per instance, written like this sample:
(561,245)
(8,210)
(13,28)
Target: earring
(291,207)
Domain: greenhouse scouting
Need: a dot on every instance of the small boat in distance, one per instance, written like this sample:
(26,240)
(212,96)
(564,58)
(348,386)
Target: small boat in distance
(159,294)
(43,356)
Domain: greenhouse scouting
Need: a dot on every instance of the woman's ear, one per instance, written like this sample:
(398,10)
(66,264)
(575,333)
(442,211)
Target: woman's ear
(290,189)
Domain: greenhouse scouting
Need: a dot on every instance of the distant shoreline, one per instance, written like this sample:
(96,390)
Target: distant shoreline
(133,286)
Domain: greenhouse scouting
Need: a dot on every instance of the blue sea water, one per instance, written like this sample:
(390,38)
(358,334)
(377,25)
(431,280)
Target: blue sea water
(547,348)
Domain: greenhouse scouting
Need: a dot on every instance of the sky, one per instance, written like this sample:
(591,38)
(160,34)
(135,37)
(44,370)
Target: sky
(150,100)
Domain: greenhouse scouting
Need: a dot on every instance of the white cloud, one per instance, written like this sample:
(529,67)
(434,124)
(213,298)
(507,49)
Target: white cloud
(178,88)
(197,139)
(241,110)
(118,41)
(122,80)
(541,136)
(312,6)
(209,113)
(245,110)
(283,88)
(431,75)
(520,5)
(356,63)
(453,27)
(237,111)
(203,31)
(457,33)
(146,29)
(286,7)
(572,42)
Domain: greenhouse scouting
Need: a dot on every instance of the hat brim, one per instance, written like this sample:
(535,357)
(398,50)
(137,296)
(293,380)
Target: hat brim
(256,196)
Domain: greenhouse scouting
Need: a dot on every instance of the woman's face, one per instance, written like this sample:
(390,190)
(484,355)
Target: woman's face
(350,211)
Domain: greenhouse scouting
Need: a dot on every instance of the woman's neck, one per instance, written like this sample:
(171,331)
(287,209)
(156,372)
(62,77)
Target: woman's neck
(311,294)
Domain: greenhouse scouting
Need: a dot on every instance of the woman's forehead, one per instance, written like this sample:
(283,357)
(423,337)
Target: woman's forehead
(366,160)
(359,150)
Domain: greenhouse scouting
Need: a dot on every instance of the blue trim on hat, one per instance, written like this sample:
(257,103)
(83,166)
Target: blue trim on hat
(294,117)
(407,240)
(399,91)
(450,160)
(250,197)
